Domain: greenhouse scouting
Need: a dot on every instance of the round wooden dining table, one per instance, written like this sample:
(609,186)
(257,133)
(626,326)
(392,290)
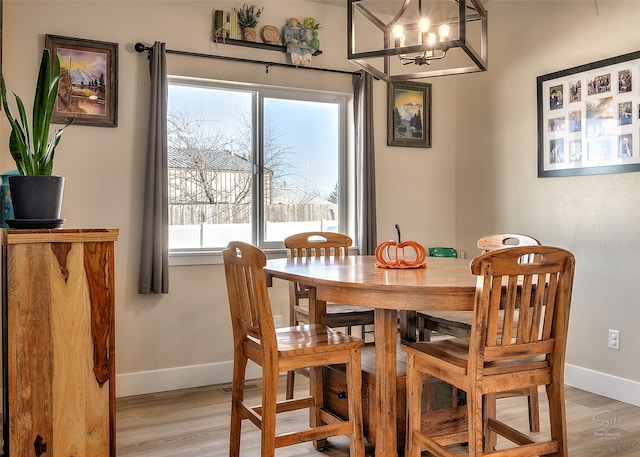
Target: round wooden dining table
(445,284)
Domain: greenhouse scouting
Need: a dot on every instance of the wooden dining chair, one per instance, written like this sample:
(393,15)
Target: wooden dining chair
(505,240)
(321,244)
(426,322)
(536,283)
(458,323)
(255,338)
(415,323)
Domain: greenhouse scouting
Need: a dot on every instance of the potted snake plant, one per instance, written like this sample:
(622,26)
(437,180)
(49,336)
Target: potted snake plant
(36,193)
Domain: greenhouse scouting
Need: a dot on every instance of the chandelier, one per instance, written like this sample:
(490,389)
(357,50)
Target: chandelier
(398,40)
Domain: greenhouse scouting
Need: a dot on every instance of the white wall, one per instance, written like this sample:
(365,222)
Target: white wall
(478,178)
(184,338)
(596,217)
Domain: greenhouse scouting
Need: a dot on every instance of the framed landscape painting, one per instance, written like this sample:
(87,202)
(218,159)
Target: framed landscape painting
(88,81)
(589,118)
(409,114)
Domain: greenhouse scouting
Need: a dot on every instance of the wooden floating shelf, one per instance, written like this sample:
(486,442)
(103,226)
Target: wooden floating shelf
(257,44)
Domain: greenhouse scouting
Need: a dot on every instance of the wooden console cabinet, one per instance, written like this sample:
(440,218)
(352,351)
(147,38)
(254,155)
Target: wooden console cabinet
(58,342)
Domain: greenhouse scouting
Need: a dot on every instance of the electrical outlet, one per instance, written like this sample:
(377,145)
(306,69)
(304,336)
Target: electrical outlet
(614,339)
(277,321)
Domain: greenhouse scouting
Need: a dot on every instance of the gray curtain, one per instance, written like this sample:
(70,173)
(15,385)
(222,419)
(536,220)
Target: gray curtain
(365,163)
(154,260)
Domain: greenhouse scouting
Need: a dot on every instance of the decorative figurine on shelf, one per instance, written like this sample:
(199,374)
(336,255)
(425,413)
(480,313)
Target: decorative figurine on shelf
(295,38)
(311,23)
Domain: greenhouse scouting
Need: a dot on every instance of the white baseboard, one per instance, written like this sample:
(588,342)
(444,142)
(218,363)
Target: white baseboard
(145,382)
(604,384)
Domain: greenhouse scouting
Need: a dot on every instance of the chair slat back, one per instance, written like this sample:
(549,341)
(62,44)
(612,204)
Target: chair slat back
(530,285)
(505,240)
(249,304)
(313,244)
(318,244)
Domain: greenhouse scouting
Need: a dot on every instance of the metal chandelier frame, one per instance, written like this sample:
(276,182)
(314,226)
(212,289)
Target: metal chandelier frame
(417,55)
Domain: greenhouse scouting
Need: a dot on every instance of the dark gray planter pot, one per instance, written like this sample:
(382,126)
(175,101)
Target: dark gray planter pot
(36,197)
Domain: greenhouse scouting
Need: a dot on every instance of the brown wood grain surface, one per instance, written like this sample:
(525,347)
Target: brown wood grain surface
(355,280)
(59,323)
(30,357)
(96,262)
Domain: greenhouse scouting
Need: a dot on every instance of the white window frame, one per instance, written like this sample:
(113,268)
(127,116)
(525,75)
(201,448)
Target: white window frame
(346,211)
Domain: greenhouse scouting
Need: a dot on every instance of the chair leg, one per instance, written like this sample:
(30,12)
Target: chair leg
(534,410)
(290,384)
(293,321)
(237,396)
(413,405)
(354,383)
(557,418)
(269,408)
(424,334)
(315,391)
(475,421)
(489,412)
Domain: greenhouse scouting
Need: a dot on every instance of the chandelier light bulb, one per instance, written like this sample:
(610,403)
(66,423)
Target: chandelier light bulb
(443,31)
(398,34)
(432,39)
(424,24)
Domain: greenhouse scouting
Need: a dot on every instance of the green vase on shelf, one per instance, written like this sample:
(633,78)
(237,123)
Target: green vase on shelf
(314,43)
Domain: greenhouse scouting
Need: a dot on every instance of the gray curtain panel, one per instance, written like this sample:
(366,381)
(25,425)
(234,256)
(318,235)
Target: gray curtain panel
(154,260)
(365,163)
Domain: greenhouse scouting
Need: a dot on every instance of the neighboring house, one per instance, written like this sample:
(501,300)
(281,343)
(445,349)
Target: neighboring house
(210,177)
(214,187)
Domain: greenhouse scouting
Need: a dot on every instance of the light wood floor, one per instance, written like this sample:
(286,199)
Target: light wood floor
(195,423)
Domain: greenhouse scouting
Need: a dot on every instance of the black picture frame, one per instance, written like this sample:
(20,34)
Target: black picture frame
(88,82)
(589,118)
(409,114)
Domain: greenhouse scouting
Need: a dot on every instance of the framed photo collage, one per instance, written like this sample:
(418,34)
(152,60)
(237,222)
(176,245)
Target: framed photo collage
(589,118)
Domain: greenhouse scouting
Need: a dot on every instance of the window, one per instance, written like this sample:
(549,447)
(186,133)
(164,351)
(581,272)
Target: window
(254,164)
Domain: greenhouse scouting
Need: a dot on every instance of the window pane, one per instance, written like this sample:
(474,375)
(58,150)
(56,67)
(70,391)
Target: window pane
(210,163)
(254,164)
(301,154)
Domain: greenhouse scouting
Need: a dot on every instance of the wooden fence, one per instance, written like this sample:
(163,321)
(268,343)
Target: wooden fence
(241,214)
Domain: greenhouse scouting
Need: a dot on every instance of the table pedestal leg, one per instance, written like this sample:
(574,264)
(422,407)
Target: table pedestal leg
(386,327)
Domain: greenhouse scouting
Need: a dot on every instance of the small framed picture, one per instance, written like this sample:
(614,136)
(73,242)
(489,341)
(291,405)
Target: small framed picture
(409,115)
(88,80)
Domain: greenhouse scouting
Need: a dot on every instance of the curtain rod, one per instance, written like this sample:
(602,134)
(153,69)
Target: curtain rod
(140,47)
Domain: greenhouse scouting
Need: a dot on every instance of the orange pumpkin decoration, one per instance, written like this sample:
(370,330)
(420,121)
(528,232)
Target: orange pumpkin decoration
(391,254)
